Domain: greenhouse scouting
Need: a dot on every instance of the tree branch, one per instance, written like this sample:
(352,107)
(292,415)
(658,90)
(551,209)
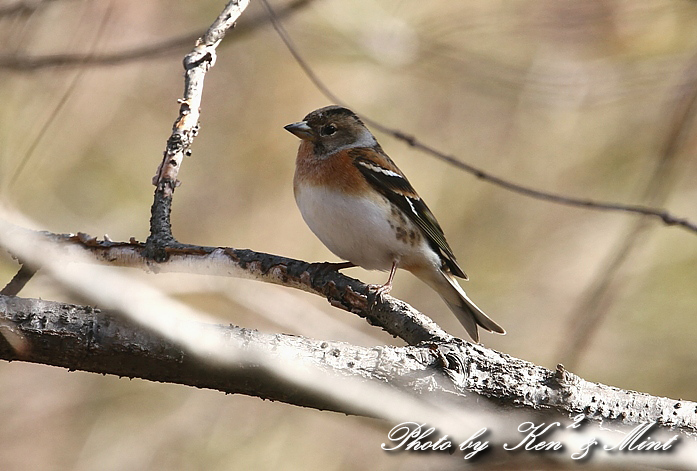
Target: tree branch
(83,338)
(196,64)
(87,339)
(392,315)
(20,279)
(436,371)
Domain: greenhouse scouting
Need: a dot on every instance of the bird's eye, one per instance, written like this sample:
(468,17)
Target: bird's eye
(329,129)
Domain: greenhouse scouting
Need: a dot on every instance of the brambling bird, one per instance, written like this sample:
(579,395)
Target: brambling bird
(363,208)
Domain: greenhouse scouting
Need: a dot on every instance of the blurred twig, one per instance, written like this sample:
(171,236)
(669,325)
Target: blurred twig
(23,7)
(665,216)
(16,341)
(27,63)
(61,103)
(300,316)
(595,302)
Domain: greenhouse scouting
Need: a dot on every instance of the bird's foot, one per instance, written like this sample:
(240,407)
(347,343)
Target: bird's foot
(381,290)
(376,292)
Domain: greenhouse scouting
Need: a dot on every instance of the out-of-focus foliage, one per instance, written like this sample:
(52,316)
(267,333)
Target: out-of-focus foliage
(572,97)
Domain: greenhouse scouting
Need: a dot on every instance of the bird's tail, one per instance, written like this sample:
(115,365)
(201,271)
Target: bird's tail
(469,315)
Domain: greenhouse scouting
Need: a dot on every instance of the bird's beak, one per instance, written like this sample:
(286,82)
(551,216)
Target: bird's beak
(300,129)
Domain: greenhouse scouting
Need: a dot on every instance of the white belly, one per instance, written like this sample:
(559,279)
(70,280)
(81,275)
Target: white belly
(358,229)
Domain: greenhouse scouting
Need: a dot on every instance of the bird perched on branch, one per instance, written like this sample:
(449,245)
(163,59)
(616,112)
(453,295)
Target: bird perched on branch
(363,208)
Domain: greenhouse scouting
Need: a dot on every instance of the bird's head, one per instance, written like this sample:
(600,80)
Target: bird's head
(332,129)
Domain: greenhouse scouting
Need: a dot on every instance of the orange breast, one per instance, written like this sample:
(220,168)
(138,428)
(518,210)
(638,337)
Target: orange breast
(336,171)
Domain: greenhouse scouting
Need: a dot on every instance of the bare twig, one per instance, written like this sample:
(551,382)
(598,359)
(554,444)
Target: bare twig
(61,103)
(21,278)
(27,63)
(665,216)
(196,64)
(25,7)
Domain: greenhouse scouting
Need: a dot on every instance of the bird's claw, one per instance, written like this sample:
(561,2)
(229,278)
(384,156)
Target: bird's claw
(381,290)
(378,291)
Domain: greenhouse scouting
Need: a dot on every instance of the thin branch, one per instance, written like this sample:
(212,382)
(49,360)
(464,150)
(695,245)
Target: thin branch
(196,65)
(27,63)
(665,216)
(21,278)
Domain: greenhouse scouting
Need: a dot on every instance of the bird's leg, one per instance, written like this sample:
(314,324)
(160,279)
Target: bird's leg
(387,287)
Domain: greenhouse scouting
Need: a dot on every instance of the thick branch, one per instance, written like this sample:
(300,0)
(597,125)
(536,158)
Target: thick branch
(83,338)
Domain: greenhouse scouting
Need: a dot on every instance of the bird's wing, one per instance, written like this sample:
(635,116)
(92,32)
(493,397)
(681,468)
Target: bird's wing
(382,173)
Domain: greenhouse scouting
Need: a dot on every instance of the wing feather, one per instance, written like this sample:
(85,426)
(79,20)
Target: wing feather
(386,178)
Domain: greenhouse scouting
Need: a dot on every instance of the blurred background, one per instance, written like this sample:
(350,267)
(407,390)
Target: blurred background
(588,99)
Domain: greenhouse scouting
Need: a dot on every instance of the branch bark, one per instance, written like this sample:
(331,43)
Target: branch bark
(83,338)
(20,279)
(392,315)
(196,65)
